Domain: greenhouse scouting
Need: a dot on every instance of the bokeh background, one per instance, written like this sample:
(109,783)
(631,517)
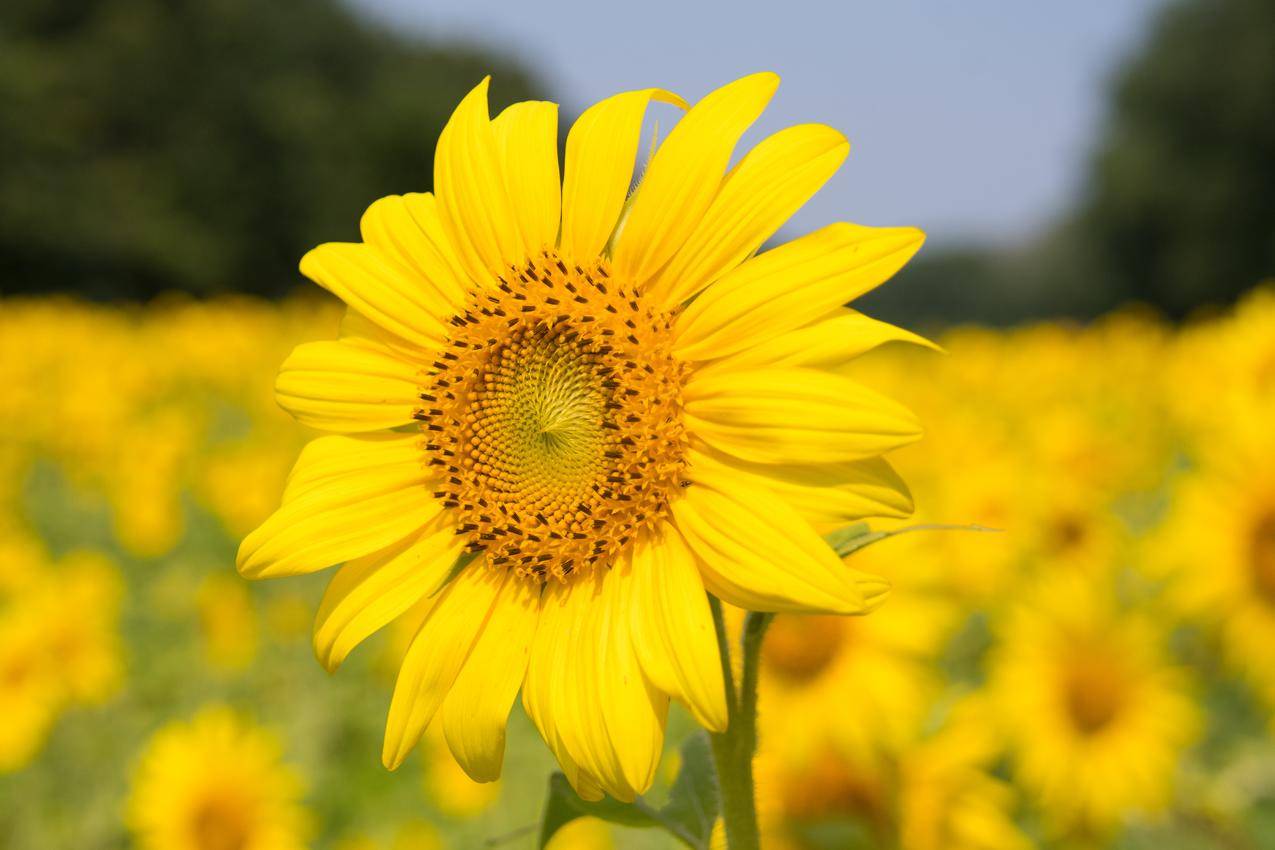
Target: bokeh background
(1098,183)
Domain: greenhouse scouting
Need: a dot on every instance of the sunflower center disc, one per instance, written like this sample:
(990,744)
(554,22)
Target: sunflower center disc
(1262,558)
(555,413)
(1095,695)
(219,825)
(799,648)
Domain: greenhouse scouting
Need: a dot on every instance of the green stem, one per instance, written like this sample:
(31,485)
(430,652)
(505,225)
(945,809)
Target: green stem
(733,750)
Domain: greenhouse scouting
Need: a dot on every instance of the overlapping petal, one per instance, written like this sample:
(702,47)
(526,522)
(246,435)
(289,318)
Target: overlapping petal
(586,692)
(685,175)
(477,706)
(770,183)
(347,387)
(791,286)
(407,230)
(437,653)
(601,151)
(370,592)
(473,198)
(559,695)
(672,626)
(542,689)
(794,416)
(527,136)
(379,289)
(824,494)
(826,344)
(754,551)
(347,496)
(632,707)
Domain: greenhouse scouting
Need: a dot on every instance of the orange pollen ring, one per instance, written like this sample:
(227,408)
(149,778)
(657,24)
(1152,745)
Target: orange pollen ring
(554,417)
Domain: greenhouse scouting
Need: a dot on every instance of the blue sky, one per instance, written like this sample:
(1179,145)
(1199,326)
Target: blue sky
(971,119)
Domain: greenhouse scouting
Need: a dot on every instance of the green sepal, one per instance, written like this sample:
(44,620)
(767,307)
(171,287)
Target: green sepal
(688,815)
(852,538)
(464,559)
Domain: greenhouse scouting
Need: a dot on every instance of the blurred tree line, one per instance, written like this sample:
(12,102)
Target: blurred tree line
(205,145)
(1178,210)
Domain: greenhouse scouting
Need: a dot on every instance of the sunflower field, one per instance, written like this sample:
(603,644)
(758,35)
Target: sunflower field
(1077,651)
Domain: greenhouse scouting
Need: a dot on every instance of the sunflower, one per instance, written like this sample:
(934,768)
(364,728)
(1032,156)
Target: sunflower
(216,783)
(59,641)
(934,794)
(1232,359)
(79,607)
(562,413)
(1096,717)
(1218,546)
(31,694)
(876,674)
(228,622)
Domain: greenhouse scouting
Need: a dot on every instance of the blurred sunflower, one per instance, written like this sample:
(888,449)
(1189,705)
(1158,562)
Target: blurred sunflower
(948,799)
(216,783)
(591,453)
(30,693)
(59,641)
(228,622)
(1096,718)
(1219,544)
(934,794)
(860,686)
(79,606)
(411,835)
(1232,359)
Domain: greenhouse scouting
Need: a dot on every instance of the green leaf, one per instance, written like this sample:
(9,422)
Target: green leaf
(688,815)
(564,806)
(694,799)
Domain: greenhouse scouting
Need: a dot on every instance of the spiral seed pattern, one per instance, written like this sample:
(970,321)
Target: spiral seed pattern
(554,417)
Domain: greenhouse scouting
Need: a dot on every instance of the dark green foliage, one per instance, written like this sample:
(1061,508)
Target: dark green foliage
(1181,210)
(688,816)
(204,145)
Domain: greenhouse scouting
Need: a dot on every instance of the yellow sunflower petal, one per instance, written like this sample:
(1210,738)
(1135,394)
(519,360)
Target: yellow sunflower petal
(770,184)
(555,668)
(527,134)
(791,286)
(436,656)
(331,460)
(407,230)
(825,494)
(347,496)
(339,386)
(756,552)
(357,329)
(541,687)
(469,182)
(562,693)
(601,151)
(672,626)
(369,592)
(826,344)
(379,290)
(685,175)
(579,703)
(633,708)
(798,416)
(477,707)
